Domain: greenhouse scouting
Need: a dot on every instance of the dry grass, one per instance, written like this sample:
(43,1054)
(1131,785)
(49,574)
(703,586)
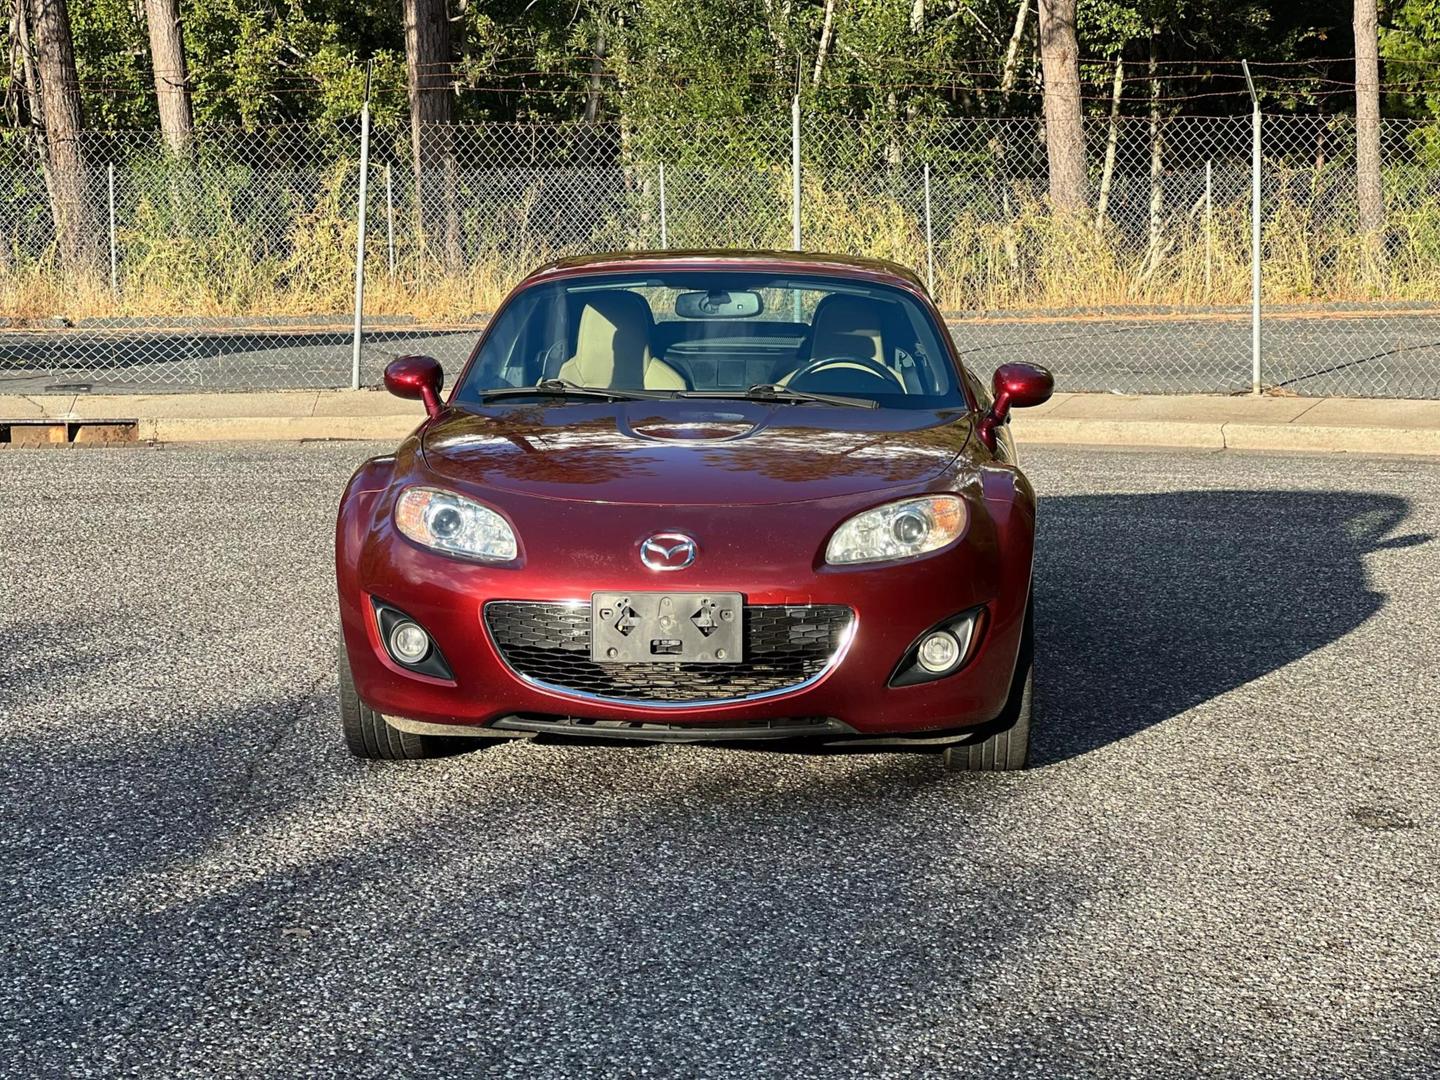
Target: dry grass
(212,261)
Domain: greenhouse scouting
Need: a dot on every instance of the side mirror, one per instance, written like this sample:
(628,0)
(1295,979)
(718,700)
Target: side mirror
(416,377)
(1017,386)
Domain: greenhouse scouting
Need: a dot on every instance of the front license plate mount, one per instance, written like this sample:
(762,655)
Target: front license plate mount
(663,627)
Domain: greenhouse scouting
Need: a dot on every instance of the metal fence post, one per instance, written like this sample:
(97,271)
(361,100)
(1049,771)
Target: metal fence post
(1256,164)
(114,258)
(929,235)
(1209,225)
(360,236)
(390,217)
(664,233)
(795,172)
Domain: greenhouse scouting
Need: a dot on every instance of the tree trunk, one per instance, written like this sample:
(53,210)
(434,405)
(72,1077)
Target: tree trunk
(20,38)
(893,152)
(172,87)
(57,103)
(1008,71)
(30,83)
(777,23)
(1012,52)
(1369,194)
(827,33)
(1064,128)
(597,70)
(428,58)
(1157,154)
(1107,175)
(917,28)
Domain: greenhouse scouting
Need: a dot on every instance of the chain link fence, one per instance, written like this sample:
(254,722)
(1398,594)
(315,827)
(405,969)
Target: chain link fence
(232,267)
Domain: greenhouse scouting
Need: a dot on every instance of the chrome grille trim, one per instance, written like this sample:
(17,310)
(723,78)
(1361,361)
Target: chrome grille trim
(571,622)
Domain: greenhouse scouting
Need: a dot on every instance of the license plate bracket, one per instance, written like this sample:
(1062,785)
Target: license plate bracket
(665,627)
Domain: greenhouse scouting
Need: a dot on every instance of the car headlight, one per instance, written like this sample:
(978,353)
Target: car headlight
(898,530)
(448,522)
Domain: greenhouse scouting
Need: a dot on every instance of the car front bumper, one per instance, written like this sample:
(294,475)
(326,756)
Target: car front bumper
(889,606)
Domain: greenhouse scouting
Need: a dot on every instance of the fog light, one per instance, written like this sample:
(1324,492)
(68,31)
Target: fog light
(939,652)
(408,643)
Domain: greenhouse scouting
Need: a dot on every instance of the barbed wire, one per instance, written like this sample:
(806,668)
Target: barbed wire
(584,68)
(1171,85)
(1337,88)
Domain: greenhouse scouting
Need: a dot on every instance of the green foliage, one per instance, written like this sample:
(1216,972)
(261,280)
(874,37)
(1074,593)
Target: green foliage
(1410,45)
(112,50)
(683,63)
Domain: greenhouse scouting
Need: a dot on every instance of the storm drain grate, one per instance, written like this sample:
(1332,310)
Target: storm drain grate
(48,431)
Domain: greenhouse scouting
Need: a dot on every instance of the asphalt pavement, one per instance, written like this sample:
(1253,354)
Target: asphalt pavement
(1226,863)
(1334,354)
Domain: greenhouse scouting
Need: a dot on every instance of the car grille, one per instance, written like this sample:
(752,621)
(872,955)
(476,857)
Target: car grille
(784,647)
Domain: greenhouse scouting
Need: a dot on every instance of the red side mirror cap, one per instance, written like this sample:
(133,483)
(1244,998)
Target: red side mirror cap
(1023,385)
(416,377)
(1017,386)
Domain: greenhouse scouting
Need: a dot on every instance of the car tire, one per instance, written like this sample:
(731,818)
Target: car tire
(1007,747)
(367,735)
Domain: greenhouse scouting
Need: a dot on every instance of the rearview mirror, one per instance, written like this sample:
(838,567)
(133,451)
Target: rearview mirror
(1017,386)
(718,304)
(416,377)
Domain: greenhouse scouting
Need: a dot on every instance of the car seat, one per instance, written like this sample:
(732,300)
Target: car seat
(612,346)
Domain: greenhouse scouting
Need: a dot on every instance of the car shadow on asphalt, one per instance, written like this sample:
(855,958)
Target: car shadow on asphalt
(1149,605)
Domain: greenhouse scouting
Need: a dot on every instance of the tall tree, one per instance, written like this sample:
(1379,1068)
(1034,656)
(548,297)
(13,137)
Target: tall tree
(777,24)
(1064,127)
(1369,195)
(597,74)
(1157,156)
(172,85)
(827,31)
(55,100)
(429,59)
(1012,52)
(1112,142)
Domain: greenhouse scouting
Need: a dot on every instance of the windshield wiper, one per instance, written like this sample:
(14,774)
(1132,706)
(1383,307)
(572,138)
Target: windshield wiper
(776,392)
(561,388)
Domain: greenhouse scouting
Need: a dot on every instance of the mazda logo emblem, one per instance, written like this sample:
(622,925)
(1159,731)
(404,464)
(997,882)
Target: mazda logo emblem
(668,551)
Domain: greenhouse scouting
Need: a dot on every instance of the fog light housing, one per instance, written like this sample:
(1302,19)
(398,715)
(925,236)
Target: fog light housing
(939,652)
(408,643)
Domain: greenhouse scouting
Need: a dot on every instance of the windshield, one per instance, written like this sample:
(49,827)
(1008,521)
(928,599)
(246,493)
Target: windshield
(719,331)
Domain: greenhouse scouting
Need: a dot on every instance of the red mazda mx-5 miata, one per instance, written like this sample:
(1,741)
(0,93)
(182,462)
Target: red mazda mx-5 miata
(697,496)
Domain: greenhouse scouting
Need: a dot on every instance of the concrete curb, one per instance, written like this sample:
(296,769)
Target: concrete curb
(275,428)
(1196,422)
(1039,430)
(1356,440)
(1229,435)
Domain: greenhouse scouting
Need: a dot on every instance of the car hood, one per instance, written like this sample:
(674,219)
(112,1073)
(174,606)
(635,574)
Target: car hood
(691,452)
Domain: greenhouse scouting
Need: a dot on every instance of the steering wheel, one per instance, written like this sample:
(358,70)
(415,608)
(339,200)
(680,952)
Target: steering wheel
(869,366)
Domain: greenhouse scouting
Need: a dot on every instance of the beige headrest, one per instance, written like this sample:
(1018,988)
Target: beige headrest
(848,326)
(612,345)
